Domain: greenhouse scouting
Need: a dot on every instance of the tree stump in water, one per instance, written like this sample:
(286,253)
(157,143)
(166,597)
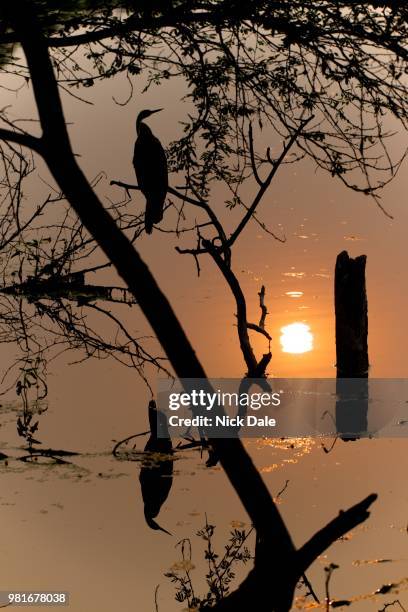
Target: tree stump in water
(351,346)
(351,316)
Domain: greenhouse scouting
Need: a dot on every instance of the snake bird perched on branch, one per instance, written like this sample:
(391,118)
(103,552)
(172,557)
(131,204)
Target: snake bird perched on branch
(150,164)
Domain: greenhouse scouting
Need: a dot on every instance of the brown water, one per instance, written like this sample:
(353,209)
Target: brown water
(80,527)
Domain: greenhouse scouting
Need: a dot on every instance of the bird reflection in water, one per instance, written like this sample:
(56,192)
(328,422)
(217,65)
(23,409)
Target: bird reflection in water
(156,474)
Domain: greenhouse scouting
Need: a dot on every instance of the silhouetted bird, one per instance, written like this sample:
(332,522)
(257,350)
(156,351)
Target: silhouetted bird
(149,161)
(156,475)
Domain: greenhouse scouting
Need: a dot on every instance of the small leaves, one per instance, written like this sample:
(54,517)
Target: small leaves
(220,574)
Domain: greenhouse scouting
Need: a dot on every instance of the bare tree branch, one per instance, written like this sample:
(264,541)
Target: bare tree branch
(22,139)
(338,527)
(266,183)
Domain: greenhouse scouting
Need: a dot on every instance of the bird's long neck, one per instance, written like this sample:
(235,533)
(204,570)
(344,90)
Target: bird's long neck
(138,124)
(142,128)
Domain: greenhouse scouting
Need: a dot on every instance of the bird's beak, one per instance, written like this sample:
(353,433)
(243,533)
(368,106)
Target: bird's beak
(156,111)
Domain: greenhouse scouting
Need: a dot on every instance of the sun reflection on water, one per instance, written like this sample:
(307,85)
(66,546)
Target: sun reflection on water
(296,448)
(294,294)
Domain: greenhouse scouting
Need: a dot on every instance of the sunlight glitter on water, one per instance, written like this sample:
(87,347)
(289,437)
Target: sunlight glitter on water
(294,294)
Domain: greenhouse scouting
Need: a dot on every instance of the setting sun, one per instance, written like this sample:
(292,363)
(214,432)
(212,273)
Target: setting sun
(296,338)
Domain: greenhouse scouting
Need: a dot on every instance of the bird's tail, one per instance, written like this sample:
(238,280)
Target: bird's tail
(148,218)
(154,213)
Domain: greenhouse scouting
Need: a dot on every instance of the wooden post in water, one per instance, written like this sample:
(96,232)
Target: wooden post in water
(351,346)
(351,316)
